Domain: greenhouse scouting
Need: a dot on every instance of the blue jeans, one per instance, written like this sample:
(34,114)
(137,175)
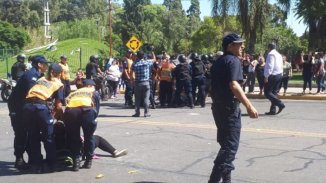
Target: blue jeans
(142,93)
(320,82)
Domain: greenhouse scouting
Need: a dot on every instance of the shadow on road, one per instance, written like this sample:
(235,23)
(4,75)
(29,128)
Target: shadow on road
(7,169)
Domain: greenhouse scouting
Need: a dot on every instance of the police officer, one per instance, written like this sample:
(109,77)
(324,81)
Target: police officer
(208,61)
(15,106)
(82,109)
(227,95)
(19,68)
(182,75)
(94,72)
(198,80)
(38,117)
(65,75)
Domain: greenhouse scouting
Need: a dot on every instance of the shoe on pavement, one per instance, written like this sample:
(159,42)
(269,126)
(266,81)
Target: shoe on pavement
(280,109)
(20,164)
(147,115)
(270,113)
(136,115)
(118,153)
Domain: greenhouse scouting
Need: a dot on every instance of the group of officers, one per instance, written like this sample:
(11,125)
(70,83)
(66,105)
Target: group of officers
(182,82)
(33,121)
(37,102)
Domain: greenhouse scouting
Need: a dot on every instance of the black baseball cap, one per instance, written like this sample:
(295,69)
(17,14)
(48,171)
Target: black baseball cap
(56,68)
(88,82)
(39,59)
(63,57)
(231,38)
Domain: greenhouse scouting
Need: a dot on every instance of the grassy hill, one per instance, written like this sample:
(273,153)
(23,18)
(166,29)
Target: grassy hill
(78,52)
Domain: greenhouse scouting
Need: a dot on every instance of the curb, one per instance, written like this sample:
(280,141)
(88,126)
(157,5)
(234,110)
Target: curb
(291,97)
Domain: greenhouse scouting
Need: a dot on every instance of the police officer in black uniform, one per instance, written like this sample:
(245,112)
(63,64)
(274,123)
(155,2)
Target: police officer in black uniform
(198,80)
(38,115)
(19,68)
(227,95)
(83,106)
(182,75)
(208,62)
(15,106)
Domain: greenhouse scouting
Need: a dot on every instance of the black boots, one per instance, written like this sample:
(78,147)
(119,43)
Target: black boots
(226,177)
(87,164)
(217,174)
(20,164)
(76,164)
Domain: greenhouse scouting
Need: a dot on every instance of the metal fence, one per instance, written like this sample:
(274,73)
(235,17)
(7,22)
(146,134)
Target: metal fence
(77,58)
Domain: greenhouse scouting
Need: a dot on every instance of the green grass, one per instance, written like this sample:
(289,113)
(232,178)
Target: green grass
(296,79)
(76,59)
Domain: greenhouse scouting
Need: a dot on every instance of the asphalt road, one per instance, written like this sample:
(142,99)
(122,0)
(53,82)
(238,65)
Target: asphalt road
(179,146)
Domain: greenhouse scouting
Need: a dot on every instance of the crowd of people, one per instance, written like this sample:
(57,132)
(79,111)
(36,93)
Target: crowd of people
(44,89)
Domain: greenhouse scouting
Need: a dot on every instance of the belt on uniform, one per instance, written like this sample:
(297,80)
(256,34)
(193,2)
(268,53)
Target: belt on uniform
(35,101)
(233,101)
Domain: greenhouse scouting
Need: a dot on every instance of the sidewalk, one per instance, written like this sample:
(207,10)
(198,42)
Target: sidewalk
(293,93)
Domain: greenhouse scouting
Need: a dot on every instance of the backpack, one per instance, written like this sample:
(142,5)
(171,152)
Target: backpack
(197,68)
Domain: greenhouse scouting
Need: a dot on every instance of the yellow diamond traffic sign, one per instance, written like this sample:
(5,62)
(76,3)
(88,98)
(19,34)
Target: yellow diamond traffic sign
(134,44)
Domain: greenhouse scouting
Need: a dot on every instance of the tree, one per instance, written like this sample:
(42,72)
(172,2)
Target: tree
(12,38)
(252,15)
(313,14)
(207,38)
(193,14)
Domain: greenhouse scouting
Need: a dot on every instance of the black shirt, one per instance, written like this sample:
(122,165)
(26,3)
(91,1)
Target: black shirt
(91,70)
(226,69)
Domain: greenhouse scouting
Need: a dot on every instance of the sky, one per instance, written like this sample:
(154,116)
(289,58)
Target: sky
(205,9)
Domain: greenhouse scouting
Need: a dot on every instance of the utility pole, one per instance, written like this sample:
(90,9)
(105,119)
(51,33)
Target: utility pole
(46,19)
(110,27)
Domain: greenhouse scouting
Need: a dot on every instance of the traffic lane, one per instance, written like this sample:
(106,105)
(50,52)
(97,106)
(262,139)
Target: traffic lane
(275,153)
(167,148)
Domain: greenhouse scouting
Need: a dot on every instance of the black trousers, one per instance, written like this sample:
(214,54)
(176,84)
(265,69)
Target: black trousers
(20,128)
(166,92)
(227,117)
(271,89)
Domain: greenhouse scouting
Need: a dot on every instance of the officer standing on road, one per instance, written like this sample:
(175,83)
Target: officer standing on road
(65,75)
(226,95)
(15,106)
(83,106)
(273,76)
(198,80)
(38,116)
(182,75)
(19,68)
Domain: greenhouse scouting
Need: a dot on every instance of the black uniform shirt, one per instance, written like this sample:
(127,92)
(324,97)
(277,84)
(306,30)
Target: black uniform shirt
(226,69)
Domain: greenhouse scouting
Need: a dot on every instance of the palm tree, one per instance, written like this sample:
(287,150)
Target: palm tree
(252,15)
(313,13)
